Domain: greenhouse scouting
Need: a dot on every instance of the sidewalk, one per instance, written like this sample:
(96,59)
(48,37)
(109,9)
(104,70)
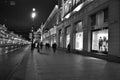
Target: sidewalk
(47,65)
(69,66)
(107,57)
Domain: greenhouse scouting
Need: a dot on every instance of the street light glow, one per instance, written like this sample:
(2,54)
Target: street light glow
(33,15)
(33,9)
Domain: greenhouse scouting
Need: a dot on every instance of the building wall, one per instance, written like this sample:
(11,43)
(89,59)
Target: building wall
(84,15)
(114,28)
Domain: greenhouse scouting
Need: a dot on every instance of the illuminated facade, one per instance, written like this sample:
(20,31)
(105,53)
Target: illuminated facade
(9,41)
(90,25)
(49,30)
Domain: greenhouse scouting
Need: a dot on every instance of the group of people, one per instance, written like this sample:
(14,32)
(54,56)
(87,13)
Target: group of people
(39,46)
(54,46)
(36,44)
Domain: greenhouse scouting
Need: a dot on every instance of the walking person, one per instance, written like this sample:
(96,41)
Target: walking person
(32,46)
(41,45)
(38,46)
(54,46)
(68,47)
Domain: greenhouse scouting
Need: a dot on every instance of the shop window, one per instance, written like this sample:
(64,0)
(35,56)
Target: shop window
(79,41)
(100,40)
(93,20)
(106,15)
(79,26)
(100,18)
(67,30)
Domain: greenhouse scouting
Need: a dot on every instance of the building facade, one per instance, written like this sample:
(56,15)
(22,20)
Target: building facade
(90,25)
(49,30)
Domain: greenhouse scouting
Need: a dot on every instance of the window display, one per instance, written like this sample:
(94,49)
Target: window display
(60,38)
(67,30)
(79,41)
(100,40)
(67,40)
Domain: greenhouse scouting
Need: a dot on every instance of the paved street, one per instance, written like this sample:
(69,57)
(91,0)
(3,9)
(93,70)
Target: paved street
(9,62)
(62,66)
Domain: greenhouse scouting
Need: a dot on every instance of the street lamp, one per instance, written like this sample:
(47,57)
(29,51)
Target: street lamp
(33,15)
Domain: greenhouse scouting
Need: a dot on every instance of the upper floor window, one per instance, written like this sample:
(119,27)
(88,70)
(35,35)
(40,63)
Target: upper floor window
(100,17)
(93,20)
(106,15)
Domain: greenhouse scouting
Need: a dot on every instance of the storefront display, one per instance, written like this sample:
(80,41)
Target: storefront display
(79,41)
(67,40)
(60,38)
(79,36)
(67,35)
(100,40)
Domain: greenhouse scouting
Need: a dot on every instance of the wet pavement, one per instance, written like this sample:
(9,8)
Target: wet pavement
(9,62)
(64,66)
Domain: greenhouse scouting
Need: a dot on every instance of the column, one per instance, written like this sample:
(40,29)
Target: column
(114,28)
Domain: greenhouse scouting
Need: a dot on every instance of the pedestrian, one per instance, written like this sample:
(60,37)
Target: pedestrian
(38,46)
(41,45)
(54,46)
(32,46)
(47,45)
(68,47)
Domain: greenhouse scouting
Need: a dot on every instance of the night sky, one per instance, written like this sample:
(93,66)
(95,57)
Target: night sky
(16,14)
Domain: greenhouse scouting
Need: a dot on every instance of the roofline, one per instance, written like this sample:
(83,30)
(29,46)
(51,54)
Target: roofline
(52,13)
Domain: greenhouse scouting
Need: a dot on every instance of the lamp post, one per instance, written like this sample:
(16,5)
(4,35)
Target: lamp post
(33,15)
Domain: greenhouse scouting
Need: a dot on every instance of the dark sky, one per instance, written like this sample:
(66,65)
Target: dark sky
(16,14)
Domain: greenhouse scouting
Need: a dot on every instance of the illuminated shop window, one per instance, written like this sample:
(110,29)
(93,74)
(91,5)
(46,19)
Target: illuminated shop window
(79,36)
(79,41)
(100,40)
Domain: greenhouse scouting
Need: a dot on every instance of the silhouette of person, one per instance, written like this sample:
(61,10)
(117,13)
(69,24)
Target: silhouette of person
(68,47)
(54,46)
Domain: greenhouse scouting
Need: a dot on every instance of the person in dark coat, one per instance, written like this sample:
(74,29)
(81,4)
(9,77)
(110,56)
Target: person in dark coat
(47,45)
(41,45)
(68,47)
(32,46)
(54,46)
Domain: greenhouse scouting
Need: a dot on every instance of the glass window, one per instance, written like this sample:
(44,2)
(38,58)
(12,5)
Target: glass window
(100,18)
(93,20)
(106,15)
(100,40)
